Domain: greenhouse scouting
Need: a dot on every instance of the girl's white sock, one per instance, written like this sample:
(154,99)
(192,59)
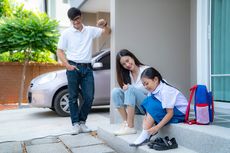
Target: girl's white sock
(142,137)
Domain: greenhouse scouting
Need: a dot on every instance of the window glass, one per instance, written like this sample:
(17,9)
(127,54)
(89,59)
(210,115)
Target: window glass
(105,60)
(220,50)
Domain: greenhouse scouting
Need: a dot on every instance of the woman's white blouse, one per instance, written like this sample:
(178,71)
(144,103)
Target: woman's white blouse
(138,82)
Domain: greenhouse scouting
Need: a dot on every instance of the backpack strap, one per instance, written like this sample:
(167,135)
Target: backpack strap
(212,109)
(192,91)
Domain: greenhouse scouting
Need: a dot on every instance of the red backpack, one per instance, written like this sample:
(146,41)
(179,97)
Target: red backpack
(203,106)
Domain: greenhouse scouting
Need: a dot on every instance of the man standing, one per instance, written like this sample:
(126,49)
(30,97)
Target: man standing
(75,52)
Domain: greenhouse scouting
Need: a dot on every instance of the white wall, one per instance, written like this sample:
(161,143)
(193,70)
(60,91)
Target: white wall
(193,54)
(158,33)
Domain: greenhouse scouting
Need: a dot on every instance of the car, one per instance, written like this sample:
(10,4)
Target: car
(50,90)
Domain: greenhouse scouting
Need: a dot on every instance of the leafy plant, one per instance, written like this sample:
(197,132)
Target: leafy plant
(4,57)
(5,9)
(43,56)
(32,33)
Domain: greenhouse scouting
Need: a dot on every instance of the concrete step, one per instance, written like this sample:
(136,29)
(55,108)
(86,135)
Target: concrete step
(121,143)
(201,138)
(191,138)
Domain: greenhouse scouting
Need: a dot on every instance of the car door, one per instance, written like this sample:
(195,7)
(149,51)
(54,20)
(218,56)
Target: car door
(102,81)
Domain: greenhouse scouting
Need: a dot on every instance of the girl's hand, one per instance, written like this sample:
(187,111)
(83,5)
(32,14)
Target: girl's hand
(125,86)
(153,130)
(164,121)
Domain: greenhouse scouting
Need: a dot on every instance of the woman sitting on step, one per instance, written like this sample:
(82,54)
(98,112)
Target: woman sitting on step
(131,92)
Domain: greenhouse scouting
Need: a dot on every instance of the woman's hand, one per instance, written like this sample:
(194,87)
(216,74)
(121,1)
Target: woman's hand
(125,86)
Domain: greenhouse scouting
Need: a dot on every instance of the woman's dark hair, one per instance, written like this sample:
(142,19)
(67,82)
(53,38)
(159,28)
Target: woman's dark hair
(73,12)
(151,73)
(122,73)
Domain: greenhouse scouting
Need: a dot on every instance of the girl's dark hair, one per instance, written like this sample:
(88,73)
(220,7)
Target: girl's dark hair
(151,73)
(122,73)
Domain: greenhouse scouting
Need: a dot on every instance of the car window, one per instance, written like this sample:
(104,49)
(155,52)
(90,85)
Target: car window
(97,53)
(105,60)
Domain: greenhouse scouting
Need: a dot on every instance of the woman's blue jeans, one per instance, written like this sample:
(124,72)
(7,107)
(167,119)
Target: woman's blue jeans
(80,80)
(130,97)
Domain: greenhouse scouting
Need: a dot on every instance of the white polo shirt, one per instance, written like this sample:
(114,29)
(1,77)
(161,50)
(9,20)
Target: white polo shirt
(170,97)
(78,44)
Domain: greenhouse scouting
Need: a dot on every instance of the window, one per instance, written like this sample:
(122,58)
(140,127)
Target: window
(220,49)
(105,60)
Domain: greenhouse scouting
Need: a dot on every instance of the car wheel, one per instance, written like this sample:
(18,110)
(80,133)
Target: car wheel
(61,103)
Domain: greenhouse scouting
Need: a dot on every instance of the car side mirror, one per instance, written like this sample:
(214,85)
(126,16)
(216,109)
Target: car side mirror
(97,65)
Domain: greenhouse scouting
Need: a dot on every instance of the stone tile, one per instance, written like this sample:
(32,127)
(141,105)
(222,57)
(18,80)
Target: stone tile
(47,148)
(93,149)
(42,141)
(83,139)
(11,147)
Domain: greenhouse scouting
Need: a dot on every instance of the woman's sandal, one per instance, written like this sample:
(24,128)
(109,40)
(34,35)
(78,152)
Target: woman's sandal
(165,144)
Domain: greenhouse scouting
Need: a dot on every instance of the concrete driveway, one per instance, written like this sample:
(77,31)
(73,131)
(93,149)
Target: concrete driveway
(29,123)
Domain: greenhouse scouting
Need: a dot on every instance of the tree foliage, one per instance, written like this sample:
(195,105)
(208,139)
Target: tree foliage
(35,33)
(5,9)
(28,32)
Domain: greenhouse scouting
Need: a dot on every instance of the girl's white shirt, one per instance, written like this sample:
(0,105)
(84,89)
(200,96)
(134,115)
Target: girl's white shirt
(170,97)
(138,82)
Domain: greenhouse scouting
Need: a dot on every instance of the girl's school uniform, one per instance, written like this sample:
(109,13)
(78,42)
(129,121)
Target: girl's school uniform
(165,96)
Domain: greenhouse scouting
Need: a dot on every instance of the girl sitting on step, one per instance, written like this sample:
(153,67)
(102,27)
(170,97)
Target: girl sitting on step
(164,104)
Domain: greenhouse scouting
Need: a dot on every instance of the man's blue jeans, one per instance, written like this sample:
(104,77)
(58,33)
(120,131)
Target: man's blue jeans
(83,78)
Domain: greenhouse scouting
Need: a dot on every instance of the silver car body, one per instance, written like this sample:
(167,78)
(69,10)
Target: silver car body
(44,88)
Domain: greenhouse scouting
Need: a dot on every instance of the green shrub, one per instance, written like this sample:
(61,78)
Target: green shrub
(28,33)
(5,9)
(43,57)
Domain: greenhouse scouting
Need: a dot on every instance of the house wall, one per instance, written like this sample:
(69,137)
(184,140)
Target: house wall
(193,53)
(91,19)
(158,33)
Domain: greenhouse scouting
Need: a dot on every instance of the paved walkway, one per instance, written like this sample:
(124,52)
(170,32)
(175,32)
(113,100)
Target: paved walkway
(81,143)
(38,130)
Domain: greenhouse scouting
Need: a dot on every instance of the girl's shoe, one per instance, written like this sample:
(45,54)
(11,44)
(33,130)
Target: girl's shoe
(166,144)
(157,141)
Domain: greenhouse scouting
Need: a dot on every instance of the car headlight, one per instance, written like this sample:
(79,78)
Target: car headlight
(46,78)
